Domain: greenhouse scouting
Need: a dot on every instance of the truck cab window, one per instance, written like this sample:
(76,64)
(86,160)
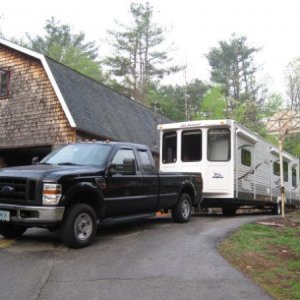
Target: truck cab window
(169,154)
(121,155)
(145,161)
(191,145)
(246,157)
(218,144)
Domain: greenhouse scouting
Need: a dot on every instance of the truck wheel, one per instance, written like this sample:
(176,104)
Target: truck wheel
(276,210)
(182,211)
(229,211)
(11,230)
(79,226)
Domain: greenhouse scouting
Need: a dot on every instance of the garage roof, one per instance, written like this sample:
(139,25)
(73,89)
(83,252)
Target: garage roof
(95,108)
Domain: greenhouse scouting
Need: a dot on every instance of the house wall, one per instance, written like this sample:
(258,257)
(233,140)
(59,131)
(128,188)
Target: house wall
(32,114)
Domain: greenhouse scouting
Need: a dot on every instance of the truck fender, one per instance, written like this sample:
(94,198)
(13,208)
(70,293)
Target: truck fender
(187,187)
(96,201)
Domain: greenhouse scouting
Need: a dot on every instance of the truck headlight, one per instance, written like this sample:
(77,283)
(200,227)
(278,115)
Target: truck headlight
(51,193)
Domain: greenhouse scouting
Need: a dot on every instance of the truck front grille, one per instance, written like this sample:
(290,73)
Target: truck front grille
(16,189)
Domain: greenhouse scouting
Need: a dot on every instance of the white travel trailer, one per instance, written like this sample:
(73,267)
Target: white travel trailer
(239,168)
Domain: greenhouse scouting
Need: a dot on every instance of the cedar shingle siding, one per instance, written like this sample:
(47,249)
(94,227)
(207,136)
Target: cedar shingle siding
(32,114)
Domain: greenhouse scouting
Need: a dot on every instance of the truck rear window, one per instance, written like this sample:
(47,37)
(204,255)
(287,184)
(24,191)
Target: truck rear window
(145,161)
(169,154)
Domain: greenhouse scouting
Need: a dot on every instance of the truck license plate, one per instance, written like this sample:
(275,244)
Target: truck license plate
(4,215)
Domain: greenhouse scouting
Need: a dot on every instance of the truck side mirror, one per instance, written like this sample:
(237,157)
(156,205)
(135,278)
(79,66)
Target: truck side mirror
(127,168)
(35,160)
(111,169)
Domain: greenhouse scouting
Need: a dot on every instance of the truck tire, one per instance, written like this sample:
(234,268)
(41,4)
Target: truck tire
(229,211)
(183,209)
(79,226)
(9,230)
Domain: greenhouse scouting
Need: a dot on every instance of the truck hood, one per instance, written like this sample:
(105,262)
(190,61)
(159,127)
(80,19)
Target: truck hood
(48,172)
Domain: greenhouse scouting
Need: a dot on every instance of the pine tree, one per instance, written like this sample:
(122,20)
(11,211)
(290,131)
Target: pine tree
(137,58)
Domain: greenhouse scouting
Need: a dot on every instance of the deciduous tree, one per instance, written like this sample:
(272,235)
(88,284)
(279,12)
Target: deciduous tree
(213,105)
(292,77)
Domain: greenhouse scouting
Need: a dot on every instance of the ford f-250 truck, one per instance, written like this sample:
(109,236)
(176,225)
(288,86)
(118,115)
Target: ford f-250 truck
(82,184)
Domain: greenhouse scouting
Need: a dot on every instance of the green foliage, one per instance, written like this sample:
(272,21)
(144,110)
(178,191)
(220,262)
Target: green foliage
(272,105)
(69,48)
(172,99)
(232,66)
(137,58)
(213,105)
(292,144)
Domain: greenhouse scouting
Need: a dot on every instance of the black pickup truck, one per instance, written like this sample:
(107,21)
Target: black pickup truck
(80,184)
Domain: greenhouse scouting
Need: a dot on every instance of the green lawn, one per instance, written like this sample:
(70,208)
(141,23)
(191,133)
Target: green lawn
(270,255)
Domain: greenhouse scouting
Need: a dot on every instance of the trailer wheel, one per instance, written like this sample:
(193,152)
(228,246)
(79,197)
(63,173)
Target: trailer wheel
(276,210)
(229,211)
(9,230)
(79,226)
(183,209)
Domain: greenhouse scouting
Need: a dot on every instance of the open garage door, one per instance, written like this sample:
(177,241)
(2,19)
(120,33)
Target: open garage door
(22,156)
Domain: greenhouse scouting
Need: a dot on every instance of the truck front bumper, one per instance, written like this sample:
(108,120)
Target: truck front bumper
(33,214)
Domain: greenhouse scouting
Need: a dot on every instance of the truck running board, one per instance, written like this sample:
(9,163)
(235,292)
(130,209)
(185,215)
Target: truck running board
(127,218)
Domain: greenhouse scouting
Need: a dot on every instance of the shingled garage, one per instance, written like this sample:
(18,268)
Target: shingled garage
(44,104)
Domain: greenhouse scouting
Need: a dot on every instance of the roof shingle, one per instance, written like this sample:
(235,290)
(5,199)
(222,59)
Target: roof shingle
(99,110)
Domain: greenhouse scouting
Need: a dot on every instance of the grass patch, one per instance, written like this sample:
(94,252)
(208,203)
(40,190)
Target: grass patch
(269,254)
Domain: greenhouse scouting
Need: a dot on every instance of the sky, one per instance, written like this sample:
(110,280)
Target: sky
(194,27)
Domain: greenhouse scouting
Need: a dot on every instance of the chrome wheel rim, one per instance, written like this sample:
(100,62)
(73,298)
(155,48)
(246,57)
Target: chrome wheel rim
(185,208)
(83,226)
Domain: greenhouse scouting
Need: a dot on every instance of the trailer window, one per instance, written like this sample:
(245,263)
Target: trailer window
(246,157)
(276,168)
(218,144)
(191,145)
(169,148)
(286,171)
(294,177)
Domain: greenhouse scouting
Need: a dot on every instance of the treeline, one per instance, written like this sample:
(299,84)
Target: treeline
(140,58)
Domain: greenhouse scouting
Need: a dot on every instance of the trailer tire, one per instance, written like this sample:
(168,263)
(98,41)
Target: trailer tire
(276,210)
(79,226)
(183,209)
(229,211)
(9,230)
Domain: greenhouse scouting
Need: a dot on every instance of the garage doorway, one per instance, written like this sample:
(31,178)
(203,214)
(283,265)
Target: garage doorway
(22,156)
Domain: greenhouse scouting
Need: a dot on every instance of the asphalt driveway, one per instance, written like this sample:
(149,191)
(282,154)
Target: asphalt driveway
(150,259)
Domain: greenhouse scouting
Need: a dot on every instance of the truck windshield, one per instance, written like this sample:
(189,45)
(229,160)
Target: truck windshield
(79,154)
